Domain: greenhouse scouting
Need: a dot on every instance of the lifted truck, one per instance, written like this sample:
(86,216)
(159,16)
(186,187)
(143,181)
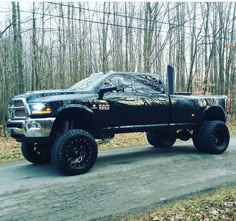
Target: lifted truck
(61,125)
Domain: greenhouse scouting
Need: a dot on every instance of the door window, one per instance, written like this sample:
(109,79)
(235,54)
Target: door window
(123,83)
(148,84)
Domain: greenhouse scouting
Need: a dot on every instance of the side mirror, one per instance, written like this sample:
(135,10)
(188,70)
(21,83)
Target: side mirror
(103,90)
(120,84)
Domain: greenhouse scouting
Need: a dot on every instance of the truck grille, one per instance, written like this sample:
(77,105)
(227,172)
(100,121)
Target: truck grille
(17,109)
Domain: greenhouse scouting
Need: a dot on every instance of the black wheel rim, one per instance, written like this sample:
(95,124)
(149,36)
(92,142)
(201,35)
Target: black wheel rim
(219,138)
(78,152)
(36,149)
(40,151)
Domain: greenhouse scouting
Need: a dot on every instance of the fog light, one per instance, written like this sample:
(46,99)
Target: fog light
(33,125)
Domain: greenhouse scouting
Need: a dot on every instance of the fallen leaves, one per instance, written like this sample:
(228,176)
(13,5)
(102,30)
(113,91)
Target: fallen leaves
(125,140)
(217,206)
(9,150)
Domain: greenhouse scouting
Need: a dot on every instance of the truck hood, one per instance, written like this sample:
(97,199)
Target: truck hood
(53,95)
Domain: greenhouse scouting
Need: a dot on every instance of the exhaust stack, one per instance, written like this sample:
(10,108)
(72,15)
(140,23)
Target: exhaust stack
(171,79)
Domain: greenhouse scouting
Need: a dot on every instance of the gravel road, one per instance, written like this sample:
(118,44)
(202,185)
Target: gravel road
(122,183)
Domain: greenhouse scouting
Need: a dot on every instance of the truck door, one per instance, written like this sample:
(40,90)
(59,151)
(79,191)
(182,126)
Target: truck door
(118,106)
(153,104)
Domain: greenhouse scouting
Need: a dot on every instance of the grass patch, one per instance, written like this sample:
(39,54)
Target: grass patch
(9,150)
(219,205)
(232,128)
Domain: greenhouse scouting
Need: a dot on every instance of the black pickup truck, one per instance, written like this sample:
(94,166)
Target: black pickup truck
(61,125)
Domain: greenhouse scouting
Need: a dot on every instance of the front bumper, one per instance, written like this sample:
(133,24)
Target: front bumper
(30,128)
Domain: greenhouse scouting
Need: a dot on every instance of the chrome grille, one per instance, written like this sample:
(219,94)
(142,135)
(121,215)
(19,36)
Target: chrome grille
(17,109)
(18,103)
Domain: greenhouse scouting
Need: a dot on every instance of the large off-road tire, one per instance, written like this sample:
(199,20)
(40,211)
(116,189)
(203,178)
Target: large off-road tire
(74,152)
(161,139)
(36,153)
(212,137)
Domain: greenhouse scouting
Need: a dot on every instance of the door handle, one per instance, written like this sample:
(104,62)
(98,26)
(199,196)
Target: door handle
(130,99)
(162,99)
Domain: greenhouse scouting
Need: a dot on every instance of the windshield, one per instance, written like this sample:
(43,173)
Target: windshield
(88,83)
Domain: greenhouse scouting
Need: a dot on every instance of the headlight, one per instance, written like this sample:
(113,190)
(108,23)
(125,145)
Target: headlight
(39,108)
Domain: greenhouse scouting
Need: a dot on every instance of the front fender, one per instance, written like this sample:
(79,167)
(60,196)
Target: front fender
(81,116)
(75,107)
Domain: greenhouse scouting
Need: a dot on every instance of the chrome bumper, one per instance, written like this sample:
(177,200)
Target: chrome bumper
(30,127)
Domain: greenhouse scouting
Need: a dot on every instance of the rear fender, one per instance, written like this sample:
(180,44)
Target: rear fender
(214,113)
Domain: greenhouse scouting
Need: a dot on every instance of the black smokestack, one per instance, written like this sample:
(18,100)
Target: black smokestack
(171,79)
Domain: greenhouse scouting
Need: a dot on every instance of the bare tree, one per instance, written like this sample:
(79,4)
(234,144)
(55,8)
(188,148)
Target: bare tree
(35,76)
(58,44)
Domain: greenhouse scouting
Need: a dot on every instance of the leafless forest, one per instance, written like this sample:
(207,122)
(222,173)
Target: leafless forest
(50,45)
